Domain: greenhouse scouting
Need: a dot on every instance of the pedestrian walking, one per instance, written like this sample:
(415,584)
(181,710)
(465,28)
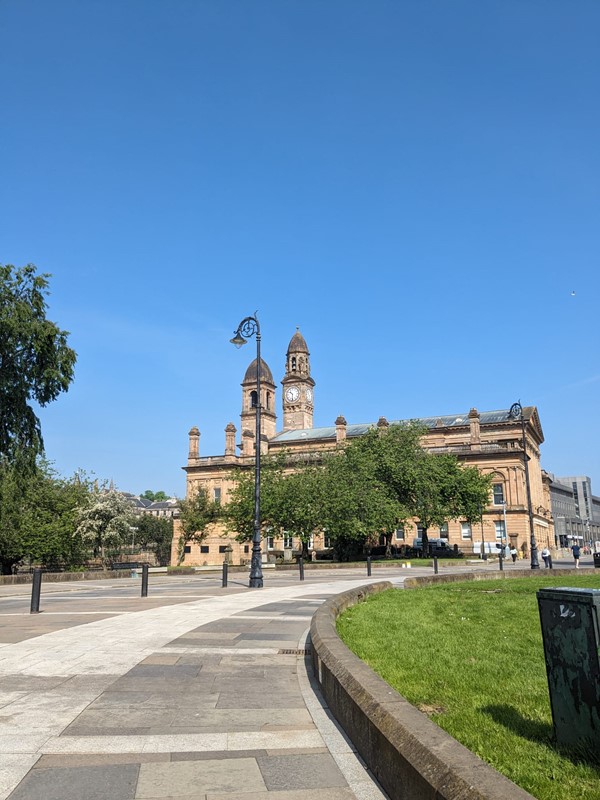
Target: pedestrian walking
(546,557)
(513,553)
(576,550)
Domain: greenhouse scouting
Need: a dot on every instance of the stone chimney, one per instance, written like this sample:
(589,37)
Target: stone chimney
(230,432)
(340,429)
(247,443)
(474,430)
(382,424)
(194,435)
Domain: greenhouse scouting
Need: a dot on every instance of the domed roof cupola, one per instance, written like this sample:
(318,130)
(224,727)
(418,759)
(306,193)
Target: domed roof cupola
(297,344)
(265,373)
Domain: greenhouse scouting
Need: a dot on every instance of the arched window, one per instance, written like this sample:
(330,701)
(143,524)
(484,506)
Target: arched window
(293,363)
(253,399)
(268,400)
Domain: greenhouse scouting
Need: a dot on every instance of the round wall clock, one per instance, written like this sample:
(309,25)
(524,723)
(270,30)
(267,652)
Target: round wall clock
(292,394)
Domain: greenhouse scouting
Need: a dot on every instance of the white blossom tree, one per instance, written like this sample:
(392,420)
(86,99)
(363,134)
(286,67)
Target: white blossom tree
(105,521)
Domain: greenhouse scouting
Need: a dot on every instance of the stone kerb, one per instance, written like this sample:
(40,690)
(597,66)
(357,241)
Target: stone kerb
(409,755)
(431,580)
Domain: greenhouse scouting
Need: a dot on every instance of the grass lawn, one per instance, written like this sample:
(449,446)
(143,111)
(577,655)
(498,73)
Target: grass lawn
(470,656)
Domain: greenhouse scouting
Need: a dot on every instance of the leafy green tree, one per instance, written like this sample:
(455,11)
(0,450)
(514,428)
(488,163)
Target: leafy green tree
(444,489)
(239,511)
(13,498)
(296,505)
(156,535)
(356,507)
(38,516)
(154,497)
(36,364)
(49,519)
(196,513)
(104,523)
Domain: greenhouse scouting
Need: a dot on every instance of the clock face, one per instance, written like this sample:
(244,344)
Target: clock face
(309,395)
(292,394)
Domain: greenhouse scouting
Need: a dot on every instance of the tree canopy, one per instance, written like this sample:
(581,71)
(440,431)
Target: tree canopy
(196,513)
(105,522)
(364,490)
(154,497)
(36,364)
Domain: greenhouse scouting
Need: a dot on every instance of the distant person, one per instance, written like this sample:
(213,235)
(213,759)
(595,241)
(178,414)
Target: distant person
(576,550)
(513,553)
(546,556)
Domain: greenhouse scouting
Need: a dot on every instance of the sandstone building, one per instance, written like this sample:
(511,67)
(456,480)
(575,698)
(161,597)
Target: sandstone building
(490,440)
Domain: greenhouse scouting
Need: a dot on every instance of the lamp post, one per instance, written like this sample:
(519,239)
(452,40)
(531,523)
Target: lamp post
(249,327)
(516,412)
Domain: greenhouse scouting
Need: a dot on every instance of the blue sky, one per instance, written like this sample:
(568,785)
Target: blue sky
(414,183)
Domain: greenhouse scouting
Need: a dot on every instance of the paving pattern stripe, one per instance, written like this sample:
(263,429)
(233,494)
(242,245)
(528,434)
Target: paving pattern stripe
(182,743)
(71,614)
(222,651)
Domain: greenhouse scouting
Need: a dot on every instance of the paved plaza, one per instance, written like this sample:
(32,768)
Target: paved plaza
(196,692)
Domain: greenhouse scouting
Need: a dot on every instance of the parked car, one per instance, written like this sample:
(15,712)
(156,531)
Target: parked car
(435,544)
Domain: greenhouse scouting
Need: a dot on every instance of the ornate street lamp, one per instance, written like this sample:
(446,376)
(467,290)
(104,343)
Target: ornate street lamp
(249,327)
(516,412)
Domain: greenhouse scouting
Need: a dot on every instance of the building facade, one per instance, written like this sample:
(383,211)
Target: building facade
(489,440)
(576,511)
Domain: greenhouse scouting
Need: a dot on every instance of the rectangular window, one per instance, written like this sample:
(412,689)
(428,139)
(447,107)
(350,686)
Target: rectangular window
(400,534)
(288,541)
(270,542)
(204,548)
(327,540)
(217,494)
(246,548)
(311,542)
(498,490)
(187,549)
(444,531)
(222,548)
(500,530)
(465,530)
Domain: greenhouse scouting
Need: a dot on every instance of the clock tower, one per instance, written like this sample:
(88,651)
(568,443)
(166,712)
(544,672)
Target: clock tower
(298,386)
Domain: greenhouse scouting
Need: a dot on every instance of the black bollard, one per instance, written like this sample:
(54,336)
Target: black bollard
(36,588)
(144,580)
(435,565)
(501,561)
(301,568)
(550,562)
(369,566)
(225,570)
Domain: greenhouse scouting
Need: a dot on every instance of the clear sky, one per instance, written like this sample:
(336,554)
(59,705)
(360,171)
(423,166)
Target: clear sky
(413,183)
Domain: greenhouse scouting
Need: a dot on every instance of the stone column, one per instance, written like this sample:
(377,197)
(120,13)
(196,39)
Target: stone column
(340,429)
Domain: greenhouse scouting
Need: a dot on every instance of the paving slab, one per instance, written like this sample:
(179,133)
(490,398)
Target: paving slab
(106,782)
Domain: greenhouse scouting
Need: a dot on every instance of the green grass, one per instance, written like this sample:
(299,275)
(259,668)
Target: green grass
(470,655)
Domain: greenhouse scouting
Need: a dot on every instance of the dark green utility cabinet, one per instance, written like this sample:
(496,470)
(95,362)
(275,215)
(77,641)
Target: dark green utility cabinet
(570,621)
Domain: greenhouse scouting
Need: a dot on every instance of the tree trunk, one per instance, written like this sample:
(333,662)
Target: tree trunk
(425,541)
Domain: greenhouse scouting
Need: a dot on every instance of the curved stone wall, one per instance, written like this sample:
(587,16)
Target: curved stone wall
(409,755)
